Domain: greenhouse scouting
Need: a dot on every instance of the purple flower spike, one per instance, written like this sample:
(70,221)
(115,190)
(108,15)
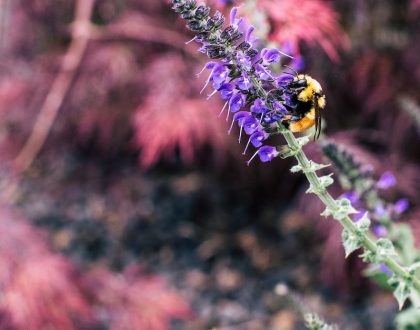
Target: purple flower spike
(236,102)
(250,125)
(270,56)
(259,106)
(226,91)
(267,153)
(258,137)
(244,82)
(386,181)
(401,205)
(380,231)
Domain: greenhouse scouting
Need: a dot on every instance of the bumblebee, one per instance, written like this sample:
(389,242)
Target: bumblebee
(306,102)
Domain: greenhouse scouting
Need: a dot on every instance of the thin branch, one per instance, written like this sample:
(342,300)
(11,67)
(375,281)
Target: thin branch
(60,87)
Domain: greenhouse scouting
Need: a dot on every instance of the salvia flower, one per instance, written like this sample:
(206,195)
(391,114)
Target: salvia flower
(270,56)
(380,231)
(387,180)
(401,205)
(259,107)
(241,75)
(236,102)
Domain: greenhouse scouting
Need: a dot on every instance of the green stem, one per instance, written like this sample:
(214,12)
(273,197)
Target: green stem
(331,203)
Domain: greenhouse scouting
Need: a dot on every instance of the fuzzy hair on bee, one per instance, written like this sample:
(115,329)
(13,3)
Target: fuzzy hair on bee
(307,101)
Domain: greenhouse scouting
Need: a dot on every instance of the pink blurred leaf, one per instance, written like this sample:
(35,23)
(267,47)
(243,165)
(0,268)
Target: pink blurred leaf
(308,21)
(135,301)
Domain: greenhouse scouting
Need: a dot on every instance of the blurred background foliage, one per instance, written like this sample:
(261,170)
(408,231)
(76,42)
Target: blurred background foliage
(138,208)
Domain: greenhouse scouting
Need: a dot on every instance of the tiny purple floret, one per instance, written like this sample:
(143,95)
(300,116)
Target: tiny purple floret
(380,231)
(280,108)
(219,75)
(250,125)
(262,72)
(236,102)
(243,60)
(259,106)
(258,137)
(379,210)
(267,153)
(401,205)
(387,180)
(270,56)
(226,91)
(244,82)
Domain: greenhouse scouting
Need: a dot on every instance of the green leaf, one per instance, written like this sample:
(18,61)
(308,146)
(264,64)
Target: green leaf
(286,151)
(401,293)
(377,275)
(369,256)
(344,209)
(364,223)
(414,267)
(296,169)
(402,289)
(326,180)
(350,242)
(313,167)
(402,236)
(303,140)
(385,249)
(408,319)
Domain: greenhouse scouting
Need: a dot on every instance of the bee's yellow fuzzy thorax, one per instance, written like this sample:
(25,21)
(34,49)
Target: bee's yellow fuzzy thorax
(312,88)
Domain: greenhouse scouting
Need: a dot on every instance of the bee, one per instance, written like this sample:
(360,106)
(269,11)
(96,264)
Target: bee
(306,102)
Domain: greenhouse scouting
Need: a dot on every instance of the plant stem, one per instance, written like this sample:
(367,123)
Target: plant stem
(331,203)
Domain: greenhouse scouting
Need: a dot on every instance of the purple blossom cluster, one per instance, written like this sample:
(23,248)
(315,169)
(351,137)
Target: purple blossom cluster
(257,99)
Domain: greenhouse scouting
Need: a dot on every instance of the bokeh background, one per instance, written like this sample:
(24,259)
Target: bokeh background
(126,205)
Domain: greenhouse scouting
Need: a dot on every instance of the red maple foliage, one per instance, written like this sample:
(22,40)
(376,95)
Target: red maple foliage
(135,301)
(42,289)
(161,129)
(309,21)
(39,289)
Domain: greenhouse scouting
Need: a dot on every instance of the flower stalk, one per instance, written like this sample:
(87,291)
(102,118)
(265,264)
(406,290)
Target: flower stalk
(366,241)
(261,103)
